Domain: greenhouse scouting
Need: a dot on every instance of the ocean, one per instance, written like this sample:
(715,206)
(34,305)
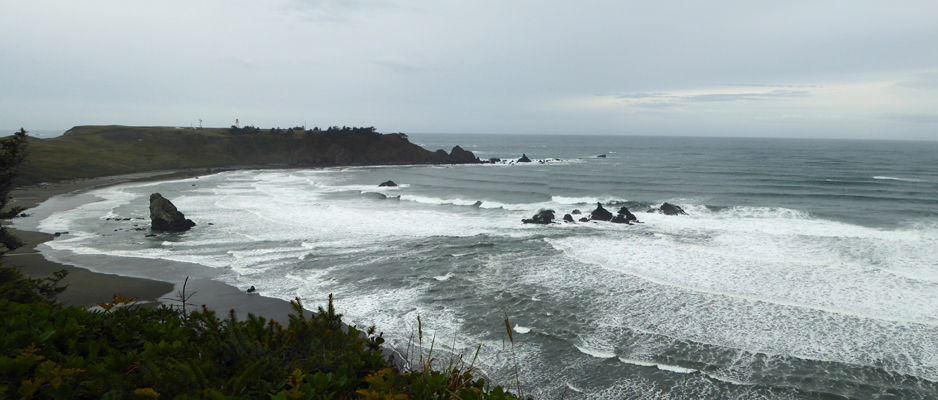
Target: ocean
(804,269)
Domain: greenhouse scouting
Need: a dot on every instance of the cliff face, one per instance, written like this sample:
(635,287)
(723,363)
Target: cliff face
(88,151)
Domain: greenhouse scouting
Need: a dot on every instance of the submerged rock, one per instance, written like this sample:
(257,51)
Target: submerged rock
(584,219)
(542,217)
(524,158)
(388,183)
(600,213)
(165,217)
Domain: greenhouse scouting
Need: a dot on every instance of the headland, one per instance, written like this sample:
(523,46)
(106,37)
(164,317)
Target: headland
(90,157)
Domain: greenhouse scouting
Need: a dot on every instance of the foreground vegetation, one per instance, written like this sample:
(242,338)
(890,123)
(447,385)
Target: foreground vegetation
(92,151)
(125,351)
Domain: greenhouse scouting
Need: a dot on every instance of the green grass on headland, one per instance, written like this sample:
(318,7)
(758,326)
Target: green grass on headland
(124,352)
(91,151)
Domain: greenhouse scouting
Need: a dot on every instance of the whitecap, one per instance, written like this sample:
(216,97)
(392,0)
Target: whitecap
(595,353)
(574,388)
(521,329)
(892,178)
(675,368)
(585,200)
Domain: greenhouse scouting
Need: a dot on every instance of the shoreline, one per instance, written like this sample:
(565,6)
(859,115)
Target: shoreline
(86,287)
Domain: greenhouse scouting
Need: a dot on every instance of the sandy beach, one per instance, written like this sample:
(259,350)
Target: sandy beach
(149,285)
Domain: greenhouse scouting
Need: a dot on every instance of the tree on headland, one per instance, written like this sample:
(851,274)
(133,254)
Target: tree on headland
(12,154)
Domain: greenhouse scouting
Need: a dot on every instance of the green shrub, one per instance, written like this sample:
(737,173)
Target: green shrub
(125,351)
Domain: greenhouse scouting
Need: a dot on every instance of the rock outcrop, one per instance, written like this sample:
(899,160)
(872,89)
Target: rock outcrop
(524,158)
(624,212)
(542,217)
(165,217)
(460,156)
(568,218)
(600,213)
(669,209)
(388,184)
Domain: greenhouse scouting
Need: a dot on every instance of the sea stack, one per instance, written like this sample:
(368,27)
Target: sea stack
(165,217)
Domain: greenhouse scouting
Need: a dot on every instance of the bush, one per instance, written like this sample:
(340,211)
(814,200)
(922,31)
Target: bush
(125,351)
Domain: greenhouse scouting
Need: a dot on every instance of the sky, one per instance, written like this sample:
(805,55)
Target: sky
(791,69)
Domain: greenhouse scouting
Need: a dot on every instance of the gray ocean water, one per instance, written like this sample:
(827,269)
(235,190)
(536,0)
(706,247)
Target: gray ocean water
(805,269)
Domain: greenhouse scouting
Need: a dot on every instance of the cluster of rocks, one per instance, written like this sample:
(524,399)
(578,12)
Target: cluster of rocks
(542,217)
(524,159)
(624,216)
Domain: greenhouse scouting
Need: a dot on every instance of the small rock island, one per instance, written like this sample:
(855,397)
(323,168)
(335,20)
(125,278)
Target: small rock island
(165,217)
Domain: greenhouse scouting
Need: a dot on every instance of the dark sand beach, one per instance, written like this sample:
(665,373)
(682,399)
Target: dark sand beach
(86,288)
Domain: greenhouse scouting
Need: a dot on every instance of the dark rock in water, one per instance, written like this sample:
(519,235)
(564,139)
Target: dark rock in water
(388,183)
(460,156)
(620,219)
(252,289)
(524,158)
(165,217)
(601,156)
(628,215)
(494,160)
(567,218)
(149,235)
(542,217)
(575,212)
(584,219)
(670,209)
(600,213)
(57,234)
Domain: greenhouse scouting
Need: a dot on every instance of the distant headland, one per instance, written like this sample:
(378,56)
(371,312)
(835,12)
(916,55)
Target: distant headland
(91,151)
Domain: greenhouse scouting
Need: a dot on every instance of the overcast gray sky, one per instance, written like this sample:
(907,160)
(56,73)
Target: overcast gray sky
(850,69)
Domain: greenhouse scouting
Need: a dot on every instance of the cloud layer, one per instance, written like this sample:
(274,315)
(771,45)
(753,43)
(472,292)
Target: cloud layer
(792,69)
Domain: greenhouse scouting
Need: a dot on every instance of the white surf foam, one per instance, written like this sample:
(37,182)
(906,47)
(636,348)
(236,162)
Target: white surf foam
(585,200)
(521,329)
(891,178)
(595,352)
(760,279)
